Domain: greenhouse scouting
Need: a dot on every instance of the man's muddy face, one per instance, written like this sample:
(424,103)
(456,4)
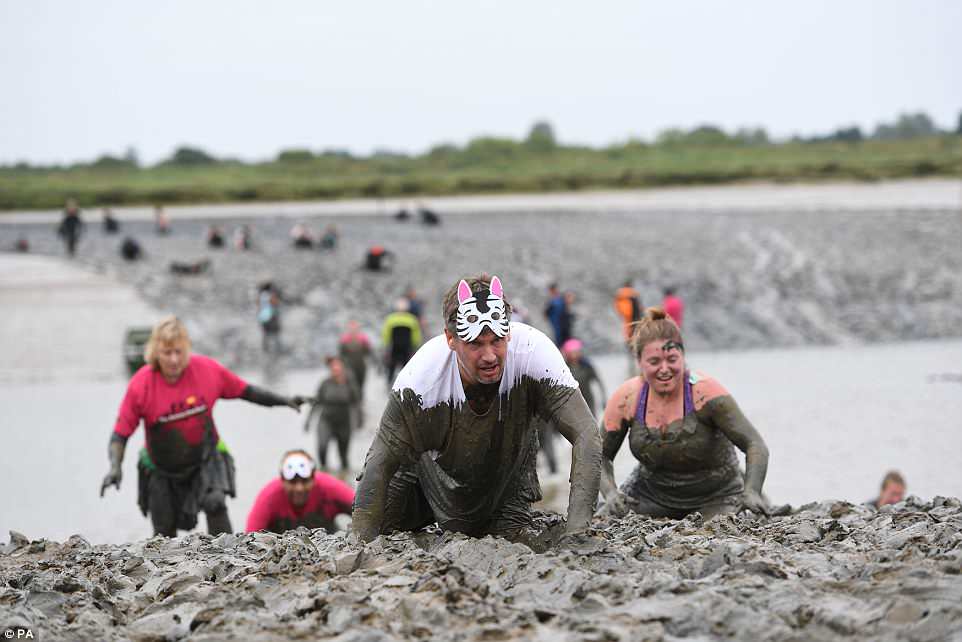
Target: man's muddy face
(297,490)
(663,366)
(172,358)
(481,360)
(893,493)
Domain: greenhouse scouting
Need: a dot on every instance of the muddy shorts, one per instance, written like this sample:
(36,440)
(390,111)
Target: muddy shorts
(176,500)
(644,502)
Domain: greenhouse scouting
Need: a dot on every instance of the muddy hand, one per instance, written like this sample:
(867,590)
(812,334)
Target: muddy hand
(296,402)
(580,542)
(751,500)
(616,506)
(111,479)
(779,511)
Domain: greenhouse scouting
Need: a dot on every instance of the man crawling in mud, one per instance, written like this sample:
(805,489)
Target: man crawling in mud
(457,443)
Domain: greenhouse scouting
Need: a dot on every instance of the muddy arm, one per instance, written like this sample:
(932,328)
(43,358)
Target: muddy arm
(574,421)
(611,441)
(371,496)
(730,420)
(115,450)
(314,406)
(263,397)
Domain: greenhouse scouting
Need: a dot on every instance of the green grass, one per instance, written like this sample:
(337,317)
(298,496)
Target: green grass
(502,168)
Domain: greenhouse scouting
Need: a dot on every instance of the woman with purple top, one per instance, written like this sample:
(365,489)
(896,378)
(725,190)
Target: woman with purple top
(683,428)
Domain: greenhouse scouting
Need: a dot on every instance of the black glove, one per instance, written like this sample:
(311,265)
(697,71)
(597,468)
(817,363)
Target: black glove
(263,397)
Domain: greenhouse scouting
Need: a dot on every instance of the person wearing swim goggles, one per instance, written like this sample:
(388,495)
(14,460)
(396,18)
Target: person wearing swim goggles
(300,496)
(297,465)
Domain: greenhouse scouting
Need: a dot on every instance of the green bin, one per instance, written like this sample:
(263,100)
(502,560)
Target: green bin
(134,341)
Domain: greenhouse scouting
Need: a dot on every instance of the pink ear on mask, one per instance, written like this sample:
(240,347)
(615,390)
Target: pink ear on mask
(464,292)
(496,287)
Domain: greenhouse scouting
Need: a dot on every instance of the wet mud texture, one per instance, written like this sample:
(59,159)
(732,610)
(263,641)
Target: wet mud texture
(832,571)
(748,279)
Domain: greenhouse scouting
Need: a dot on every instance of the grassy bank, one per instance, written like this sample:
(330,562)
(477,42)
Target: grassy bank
(488,166)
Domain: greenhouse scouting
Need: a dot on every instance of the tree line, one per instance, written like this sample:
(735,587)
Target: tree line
(541,139)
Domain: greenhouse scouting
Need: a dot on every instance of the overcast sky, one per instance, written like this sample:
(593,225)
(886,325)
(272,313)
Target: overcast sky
(247,79)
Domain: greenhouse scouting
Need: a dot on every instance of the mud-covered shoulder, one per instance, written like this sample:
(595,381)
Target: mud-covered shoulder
(532,354)
(403,436)
(705,388)
(621,404)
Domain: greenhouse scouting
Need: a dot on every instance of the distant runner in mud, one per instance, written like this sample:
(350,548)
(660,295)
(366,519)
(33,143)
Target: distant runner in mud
(71,227)
(300,496)
(354,348)
(400,337)
(378,259)
(335,404)
(111,225)
(161,221)
(555,313)
(583,371)
(186,467)
(269,316)
(627,303)
(673,305)
(457,443)
(682,427)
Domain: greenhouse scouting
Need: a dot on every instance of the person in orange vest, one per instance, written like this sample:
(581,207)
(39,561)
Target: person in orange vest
(627,304)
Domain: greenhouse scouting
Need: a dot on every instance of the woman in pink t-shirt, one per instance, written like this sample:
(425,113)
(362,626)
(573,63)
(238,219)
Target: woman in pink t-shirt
(300,496)
(185,467)
(673,306)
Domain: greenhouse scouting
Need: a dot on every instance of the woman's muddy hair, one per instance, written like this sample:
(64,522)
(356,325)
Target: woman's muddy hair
(168,330)
(449,304)
(654,325)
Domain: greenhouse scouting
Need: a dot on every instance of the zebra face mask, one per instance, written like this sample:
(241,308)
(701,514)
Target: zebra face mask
(477,312)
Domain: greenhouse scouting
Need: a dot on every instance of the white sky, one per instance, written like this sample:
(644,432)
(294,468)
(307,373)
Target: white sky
(246,79)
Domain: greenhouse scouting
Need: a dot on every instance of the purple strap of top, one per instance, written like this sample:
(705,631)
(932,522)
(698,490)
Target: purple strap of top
(642,406)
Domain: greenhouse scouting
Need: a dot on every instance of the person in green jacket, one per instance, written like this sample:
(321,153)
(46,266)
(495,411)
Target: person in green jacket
(400,337)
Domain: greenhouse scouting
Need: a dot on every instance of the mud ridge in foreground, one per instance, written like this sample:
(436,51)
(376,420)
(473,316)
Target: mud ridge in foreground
(832,570)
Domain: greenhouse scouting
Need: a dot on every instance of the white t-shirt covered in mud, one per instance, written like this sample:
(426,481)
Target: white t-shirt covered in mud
(469,464)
